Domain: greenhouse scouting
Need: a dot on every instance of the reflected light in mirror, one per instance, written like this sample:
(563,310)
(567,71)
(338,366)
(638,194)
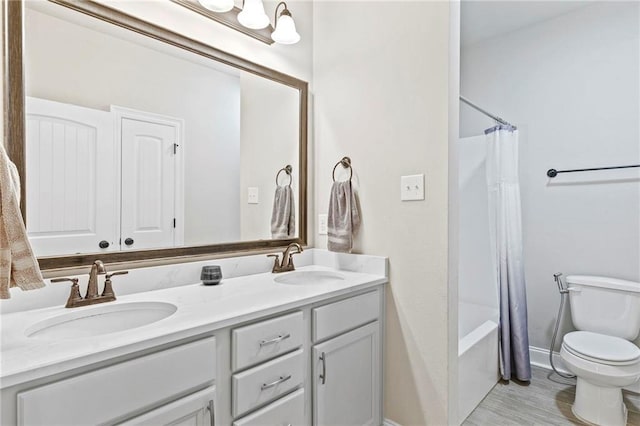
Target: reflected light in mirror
(285,32)
(253,15)
(219,6)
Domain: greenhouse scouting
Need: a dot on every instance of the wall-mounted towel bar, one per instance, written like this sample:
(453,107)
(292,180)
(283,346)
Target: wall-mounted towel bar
(288,170)
(553,172)
(346,163)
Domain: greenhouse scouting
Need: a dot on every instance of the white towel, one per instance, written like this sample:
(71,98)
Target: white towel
(343,220)
(18,265)
(283,216)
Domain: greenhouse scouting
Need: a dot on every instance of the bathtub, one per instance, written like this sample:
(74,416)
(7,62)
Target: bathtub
(477,355)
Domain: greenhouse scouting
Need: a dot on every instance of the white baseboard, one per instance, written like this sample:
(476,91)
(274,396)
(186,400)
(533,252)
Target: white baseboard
(540,358)
(388,422)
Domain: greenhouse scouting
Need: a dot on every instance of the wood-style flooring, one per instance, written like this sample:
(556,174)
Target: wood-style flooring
(546,400)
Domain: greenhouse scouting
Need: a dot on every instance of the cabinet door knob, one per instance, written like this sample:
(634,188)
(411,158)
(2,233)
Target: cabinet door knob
(103,244)
(128,241)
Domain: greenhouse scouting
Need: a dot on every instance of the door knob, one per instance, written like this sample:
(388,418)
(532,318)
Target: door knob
(128,241)
(103,244)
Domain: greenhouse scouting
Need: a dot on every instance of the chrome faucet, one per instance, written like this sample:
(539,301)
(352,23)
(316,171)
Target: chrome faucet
(286,264)
(91,298)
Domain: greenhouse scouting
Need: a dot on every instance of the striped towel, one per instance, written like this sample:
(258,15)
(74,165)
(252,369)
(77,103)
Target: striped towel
(343,220)
(18,266)
(283,216)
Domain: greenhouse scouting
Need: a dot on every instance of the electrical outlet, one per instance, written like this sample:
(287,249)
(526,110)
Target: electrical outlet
(252,195)
(412,188)
(322,224)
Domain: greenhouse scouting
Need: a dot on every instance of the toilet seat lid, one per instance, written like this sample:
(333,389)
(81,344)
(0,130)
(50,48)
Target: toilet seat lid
(601,348)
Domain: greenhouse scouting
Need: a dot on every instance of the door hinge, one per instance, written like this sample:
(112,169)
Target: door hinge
(175,148)
(174,222)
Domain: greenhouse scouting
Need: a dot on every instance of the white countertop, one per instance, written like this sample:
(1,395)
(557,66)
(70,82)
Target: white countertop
(200,309)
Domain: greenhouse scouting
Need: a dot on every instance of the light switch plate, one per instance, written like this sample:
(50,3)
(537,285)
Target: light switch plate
(252,195)
(322,224)
(412,188)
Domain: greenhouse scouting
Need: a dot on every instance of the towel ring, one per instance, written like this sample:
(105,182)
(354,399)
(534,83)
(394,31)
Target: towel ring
(287,169)
(346,163)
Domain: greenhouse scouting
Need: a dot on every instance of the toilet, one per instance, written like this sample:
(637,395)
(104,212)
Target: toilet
(606,313)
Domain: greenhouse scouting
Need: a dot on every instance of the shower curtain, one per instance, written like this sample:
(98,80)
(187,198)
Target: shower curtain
(506,230)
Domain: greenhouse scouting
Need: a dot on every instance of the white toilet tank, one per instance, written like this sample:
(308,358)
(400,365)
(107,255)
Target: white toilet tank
(605,305)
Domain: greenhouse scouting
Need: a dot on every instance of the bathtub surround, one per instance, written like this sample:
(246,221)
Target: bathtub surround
(478,311)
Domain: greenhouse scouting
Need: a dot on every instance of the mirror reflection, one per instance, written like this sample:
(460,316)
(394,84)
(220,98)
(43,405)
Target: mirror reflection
(134,144)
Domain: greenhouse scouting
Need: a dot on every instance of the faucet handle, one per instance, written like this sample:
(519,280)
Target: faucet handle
(74,296)
(276,261)
(108,276)
(108,289)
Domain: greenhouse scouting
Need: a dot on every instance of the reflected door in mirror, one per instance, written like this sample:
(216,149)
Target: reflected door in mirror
(150,158)
(71,170)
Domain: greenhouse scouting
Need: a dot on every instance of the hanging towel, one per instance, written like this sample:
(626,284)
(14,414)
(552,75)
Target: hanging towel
(343,220)
(283,216)
(18,266)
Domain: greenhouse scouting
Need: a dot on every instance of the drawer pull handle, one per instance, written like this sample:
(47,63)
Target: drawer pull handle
(212,415)
(278,339)
(323,376)
(277,382)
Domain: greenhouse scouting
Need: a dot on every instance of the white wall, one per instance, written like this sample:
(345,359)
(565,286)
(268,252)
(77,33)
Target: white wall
(381,97)
(269,140)
(571,86)
(129,75)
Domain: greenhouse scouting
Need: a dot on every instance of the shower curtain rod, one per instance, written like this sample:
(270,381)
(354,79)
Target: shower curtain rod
(485,112)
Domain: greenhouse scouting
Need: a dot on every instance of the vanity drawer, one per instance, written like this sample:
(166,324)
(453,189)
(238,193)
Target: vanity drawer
(288,410)
(115,392)
(266,382)
(335,318)
(259,342)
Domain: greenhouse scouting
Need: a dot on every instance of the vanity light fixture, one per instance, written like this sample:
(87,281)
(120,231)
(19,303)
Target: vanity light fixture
(285,32)
(219,6)
(253,15)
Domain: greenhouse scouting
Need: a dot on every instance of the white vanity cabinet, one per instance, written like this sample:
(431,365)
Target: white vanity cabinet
(347,372)
(315,363)
(122,391)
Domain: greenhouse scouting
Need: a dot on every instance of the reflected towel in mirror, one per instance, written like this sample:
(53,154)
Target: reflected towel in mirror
(18,265)
(283,217)
(343,220)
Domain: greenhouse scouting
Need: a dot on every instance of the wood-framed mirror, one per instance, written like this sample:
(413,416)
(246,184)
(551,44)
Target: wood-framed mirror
(148,145)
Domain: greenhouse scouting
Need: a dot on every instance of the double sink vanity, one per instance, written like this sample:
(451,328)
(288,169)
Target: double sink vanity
(297,348)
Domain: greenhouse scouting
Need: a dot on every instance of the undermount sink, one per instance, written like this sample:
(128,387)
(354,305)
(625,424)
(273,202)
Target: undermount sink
(98,320)
(309,277)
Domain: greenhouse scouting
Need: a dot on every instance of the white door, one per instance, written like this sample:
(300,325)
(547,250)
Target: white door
(71,167)
(149,152)
(347,379)
(194,410)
